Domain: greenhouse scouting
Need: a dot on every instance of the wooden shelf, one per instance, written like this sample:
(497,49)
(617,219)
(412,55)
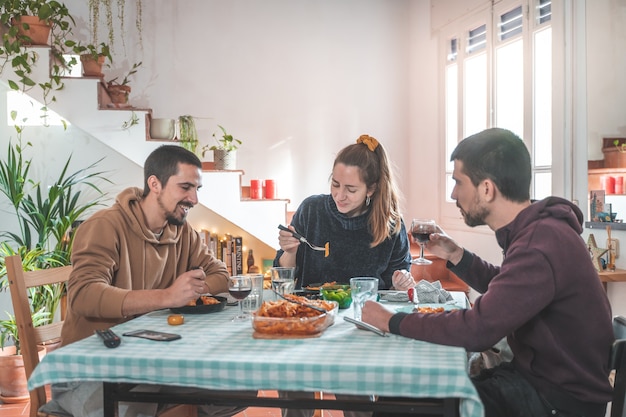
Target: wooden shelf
(603,225)
(619,275)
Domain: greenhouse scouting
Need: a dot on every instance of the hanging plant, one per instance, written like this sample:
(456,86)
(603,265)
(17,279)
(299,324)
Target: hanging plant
(103,9)
(188,135)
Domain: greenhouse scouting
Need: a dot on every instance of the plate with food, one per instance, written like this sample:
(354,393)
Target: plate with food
(202,305)
(311,295)
(428,308)
(283,319)
(318,286)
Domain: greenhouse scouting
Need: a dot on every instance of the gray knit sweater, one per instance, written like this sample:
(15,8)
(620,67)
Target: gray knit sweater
(349,239)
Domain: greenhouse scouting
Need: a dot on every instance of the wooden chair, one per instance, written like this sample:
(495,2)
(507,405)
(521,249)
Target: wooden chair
(618,363)
(30,337)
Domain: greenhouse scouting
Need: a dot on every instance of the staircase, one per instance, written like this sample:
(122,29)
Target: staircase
(85,103)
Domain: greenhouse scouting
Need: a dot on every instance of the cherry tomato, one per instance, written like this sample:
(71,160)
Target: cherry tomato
(175,319)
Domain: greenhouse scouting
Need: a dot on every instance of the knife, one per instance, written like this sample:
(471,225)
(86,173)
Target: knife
(366,326)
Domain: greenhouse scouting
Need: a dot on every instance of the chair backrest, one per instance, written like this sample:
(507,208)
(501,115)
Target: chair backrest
(31,337)
(618,363)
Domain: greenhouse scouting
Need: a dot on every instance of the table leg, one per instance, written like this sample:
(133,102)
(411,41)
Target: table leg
(110,404)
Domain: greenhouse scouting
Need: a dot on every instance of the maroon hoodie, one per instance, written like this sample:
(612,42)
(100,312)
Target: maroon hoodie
(546,298)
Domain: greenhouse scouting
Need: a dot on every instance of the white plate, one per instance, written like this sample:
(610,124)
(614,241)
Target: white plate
(393,296)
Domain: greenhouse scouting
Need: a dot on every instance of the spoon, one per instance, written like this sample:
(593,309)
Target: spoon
(304,240)
(320,309)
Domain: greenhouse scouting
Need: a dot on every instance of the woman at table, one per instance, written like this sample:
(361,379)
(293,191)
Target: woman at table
(361,221)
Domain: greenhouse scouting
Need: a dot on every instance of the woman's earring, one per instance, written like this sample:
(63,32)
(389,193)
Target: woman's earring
(367,200)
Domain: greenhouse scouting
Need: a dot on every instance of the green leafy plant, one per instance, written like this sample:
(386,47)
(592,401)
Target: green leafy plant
(226,143)
(94,51)
(126,79)
(134,120)
(620,146)
(9,330)
(46,216)
(14,48)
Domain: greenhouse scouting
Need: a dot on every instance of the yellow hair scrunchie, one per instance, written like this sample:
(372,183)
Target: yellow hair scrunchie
(369,141)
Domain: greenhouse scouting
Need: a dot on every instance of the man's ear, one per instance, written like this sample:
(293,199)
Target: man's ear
(154,184)
(488,190)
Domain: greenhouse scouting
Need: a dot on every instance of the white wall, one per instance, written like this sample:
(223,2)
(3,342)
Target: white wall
(606,101)
(295,80)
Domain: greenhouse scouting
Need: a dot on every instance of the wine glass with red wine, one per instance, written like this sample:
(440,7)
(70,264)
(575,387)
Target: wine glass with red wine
(239,286)
(421,230)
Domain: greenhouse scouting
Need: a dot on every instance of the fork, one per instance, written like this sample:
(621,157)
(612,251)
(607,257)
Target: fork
(301,238)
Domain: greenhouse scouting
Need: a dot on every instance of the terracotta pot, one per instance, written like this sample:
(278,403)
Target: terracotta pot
(38,31)
(614,157)
(118,93)
(13,383)
(92,67)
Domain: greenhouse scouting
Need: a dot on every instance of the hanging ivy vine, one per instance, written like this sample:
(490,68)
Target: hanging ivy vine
(103,9)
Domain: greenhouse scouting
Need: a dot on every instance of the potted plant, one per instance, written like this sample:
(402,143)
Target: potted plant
(13,382)
(25,21)
(188,134)
(119,91)
(32,21)
(91,56)
(225,152)
(46,215)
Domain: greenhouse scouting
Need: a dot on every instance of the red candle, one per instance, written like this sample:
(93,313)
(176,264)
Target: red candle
(608,184)
(269,189)
(255,189)
(619,185)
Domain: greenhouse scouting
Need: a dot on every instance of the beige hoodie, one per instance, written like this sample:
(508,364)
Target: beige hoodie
(114,252)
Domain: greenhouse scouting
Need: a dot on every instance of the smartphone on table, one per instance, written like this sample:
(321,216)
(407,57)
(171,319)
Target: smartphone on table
(153,335)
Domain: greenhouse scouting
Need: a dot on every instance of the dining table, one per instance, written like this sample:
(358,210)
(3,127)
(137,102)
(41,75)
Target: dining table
(395,373)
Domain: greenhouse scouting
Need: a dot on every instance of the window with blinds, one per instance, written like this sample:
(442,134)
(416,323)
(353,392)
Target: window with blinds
(502,79)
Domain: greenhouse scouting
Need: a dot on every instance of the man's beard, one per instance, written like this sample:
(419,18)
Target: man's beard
(475,218)
(171,216)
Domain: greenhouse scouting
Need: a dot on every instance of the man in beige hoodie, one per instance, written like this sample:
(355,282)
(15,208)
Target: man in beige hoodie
(135,257)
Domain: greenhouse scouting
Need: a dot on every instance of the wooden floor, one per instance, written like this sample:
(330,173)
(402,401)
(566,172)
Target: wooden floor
(22,410)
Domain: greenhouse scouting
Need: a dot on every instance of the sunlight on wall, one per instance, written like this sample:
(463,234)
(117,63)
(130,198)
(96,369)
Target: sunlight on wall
(30,112)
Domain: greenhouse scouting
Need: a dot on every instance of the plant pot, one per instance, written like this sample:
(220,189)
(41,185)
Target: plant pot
(91,66)
(13,383)
(224,160)
(614,153)
(164,129)
(118,93)
(38,31)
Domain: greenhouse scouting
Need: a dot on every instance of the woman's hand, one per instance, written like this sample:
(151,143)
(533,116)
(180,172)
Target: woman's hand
(287,242)
(402,280)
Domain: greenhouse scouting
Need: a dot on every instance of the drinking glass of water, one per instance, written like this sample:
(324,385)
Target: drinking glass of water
(283,279)
(363,289)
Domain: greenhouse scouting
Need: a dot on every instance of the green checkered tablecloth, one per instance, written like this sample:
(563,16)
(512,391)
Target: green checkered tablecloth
(215,353)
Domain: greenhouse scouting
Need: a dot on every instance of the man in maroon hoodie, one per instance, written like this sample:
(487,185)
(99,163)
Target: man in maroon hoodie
(545,298)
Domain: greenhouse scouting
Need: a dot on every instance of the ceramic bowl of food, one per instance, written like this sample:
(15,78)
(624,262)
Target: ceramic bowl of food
(342,294)
(283,318)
